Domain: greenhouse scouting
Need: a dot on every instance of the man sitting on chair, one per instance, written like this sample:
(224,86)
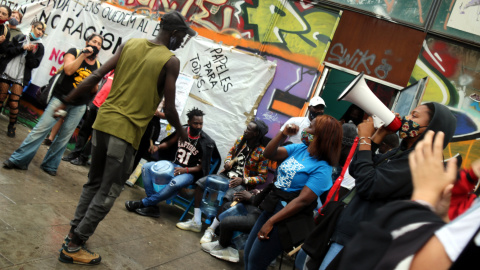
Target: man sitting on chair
(192,161)
(246,168)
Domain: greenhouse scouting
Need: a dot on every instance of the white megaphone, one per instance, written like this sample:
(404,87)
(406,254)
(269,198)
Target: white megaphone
(358,93)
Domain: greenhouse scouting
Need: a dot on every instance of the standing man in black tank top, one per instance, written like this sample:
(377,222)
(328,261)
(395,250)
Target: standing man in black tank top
(121,122)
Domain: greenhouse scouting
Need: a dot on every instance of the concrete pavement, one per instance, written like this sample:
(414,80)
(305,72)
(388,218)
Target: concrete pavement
(35,210)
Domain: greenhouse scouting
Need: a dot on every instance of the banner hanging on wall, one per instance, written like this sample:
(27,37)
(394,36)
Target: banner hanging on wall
(228,87)
(69,23)
(227,83)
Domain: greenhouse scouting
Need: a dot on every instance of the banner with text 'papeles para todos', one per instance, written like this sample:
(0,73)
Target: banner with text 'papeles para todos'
(229,85)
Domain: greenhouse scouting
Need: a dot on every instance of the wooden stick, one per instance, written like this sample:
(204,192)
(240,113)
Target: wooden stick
(295,250)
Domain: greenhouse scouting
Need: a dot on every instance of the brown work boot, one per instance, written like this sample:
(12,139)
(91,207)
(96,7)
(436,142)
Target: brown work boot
(81,256)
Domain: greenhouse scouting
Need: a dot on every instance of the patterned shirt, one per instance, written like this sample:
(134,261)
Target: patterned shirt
(255,171)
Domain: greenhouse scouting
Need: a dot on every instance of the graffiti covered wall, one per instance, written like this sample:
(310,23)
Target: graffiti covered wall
(294,34)
(411,11)
(297,34)
(454,80)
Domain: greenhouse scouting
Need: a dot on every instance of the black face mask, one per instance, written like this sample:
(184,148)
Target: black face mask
(173,42)
(95,52)
(314,115)
(195,131)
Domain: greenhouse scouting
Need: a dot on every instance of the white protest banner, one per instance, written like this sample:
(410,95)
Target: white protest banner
(70,22)
(183,86)
(228,85)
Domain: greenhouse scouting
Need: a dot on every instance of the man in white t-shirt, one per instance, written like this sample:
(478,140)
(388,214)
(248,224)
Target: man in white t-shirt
(316,107)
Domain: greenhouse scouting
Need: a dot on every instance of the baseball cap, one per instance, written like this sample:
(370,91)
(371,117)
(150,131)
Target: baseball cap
(315,101)
(173,20)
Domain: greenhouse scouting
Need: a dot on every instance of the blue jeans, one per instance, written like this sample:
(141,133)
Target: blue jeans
(25,153)
(170,190)
(331,254)
(259,254)
(300,259)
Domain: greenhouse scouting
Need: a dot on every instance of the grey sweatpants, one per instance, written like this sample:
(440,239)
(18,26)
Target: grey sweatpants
(112,161)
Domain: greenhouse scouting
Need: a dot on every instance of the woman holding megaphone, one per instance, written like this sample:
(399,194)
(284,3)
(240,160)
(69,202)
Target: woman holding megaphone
(381,178)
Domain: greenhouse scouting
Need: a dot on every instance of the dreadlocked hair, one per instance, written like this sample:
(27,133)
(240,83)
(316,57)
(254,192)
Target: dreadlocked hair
(194,112)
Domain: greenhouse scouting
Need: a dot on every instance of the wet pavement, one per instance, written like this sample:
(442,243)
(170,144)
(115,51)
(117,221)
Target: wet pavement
(36,208)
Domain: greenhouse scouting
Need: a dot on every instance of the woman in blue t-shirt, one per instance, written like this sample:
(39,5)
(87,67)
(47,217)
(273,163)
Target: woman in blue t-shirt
(305,173)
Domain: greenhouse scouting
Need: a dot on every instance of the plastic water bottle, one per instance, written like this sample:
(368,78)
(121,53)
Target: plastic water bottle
(239,239)
(236,210)
(161,173)
(215,189)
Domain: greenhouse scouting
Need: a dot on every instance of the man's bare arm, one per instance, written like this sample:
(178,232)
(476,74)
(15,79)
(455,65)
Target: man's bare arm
(172,68)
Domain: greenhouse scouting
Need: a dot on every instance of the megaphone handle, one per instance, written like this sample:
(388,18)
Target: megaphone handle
(377,122)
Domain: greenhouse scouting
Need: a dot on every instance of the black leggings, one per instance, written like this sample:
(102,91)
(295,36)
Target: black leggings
(15,93)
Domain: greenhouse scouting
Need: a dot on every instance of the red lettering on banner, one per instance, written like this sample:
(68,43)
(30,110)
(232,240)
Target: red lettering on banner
(53,70)
(58,55)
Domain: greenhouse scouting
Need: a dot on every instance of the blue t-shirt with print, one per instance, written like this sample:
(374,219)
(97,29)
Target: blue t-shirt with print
(300,169)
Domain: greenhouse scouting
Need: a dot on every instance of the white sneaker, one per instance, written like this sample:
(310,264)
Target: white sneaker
(228,254)
(190,225)
(208,247)
(207,236)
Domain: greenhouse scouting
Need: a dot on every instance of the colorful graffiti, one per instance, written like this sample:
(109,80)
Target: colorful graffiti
(291,87)
(401,10)
(299,27)
(295,34)
(455,82)
(306,32)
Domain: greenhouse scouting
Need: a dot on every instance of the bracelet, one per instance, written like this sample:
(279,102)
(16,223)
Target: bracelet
(187,169)
(245,180)
(364,142)
(363,138)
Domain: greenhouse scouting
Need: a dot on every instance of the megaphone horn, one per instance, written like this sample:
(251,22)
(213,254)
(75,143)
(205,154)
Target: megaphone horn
(358,93)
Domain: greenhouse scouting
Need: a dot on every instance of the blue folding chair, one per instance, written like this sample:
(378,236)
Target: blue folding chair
(187,203)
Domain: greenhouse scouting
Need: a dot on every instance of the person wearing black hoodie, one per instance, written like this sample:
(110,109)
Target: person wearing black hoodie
(381,178)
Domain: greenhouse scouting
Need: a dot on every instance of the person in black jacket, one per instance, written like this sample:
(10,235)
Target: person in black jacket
(413,234)
(5,14)
(22,55)
(383,178)
(192,161)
